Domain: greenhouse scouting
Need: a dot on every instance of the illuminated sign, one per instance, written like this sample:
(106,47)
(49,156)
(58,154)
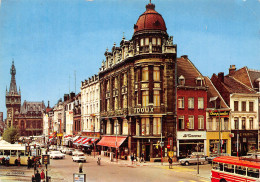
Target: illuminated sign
(143,110)
(219,113)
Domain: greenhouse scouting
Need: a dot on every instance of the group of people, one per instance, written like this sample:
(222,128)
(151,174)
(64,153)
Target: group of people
(5,160)
(33,162)
(38,177)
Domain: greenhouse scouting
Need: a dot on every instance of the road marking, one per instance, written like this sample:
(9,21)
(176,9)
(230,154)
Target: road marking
(192,181)
(204,180)
(177,168)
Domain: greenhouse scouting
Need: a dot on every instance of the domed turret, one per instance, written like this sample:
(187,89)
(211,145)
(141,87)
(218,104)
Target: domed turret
(150,20)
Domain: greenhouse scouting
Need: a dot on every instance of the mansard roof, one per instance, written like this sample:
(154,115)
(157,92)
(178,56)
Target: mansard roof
(32,107)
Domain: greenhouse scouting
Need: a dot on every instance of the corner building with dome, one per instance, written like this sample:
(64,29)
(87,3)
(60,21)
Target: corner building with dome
(138,92)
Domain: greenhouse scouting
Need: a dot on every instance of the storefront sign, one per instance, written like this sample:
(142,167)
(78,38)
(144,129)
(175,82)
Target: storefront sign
(219,113)
(190,135)
(143,110)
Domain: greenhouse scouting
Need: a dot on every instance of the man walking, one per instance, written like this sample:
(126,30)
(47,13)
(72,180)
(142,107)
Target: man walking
(170,162)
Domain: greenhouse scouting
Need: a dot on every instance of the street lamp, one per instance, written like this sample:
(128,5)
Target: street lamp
(116,140)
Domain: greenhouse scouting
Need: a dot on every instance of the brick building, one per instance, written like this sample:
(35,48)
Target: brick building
(137,91)
(28,118)
(191,108)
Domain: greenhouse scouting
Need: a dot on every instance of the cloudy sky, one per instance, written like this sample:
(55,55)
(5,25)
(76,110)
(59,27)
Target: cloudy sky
(51,40)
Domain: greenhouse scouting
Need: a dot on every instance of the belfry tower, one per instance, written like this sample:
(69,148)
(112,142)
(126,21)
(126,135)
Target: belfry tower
(12,100)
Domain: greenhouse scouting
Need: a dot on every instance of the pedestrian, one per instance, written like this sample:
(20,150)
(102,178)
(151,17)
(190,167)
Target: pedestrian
(135,158)
(19,160)
(28,163)
(33,178)
(142,157)
(42,175)
(170,162)
(37,176)
(7,159)
(132,158)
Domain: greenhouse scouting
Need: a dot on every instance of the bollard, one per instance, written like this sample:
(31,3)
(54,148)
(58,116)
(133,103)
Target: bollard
(80,168)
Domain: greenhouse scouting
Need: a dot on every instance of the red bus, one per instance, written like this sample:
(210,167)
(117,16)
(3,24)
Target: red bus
(234,169)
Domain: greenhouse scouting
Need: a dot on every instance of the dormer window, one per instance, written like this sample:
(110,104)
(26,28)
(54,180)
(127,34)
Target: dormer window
(146,41)
(199,81)
(181,80)
(258,84)
(142,42)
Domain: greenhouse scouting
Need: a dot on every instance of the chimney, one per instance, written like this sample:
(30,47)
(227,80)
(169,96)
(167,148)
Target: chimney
(232,69)
(72,95)
(221,76)
(66,97)
(48,104)
(184,56)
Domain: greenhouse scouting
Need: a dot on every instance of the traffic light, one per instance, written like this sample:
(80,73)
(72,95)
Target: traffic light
(188,125)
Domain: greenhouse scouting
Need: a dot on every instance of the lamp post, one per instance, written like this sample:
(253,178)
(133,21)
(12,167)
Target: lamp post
(116,140)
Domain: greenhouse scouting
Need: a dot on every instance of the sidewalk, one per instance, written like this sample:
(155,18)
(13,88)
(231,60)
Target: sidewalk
(204,171)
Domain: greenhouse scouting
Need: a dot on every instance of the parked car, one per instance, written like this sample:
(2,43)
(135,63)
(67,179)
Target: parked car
(75,152)
(56,155)
(213,156)
(67,151)
(193,159)
(80,156)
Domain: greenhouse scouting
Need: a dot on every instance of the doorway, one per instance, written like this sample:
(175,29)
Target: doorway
(147,152)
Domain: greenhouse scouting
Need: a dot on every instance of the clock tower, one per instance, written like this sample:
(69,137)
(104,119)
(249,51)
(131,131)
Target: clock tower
(12,100)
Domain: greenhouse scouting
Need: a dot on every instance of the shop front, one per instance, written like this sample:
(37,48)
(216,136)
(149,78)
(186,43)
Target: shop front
(247,142)
(189,142)
(218,143)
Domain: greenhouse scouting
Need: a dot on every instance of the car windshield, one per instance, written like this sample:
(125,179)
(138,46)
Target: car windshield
(56,152)
(80,154)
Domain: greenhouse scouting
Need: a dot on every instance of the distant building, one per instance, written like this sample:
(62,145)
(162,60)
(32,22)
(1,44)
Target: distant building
(28,118)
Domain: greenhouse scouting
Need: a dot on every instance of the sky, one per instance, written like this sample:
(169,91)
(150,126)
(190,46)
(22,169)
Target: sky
(51,41)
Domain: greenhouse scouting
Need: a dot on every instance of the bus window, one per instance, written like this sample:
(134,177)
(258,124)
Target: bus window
(251,172)
(221,166)
(215,166)
(1,152)
(21,152)
(6,152)
(229,168)
(13,152)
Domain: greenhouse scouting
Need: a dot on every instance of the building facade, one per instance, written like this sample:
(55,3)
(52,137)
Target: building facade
(137,91)
(90,107)
(243,102)
(28,118)
(191,109)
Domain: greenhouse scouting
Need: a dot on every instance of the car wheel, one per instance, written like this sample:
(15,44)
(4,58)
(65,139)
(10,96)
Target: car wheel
(187,163)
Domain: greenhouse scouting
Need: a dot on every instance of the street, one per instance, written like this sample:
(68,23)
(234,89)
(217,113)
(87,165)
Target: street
(62,170)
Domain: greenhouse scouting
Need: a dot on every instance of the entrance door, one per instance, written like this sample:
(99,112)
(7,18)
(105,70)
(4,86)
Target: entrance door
(147,152)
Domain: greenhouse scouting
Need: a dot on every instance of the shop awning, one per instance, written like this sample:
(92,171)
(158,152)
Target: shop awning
(86,140)
(76,141)
(110,141)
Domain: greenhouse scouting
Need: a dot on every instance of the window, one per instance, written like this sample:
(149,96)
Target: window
(191,121)
(251,123)
(236,122)
(142,42)
(243,123)
(253,172)
(159,41)
(191,102)
(154,41)
(251,106)
(116,103)
(145,98)
(115,83)
(181,122)
(145,126)
(243,106)
(107,88)
(156,98)
(116,127)
(156,73)
(145,74)
(125,79)
(200,103)
(200,122)
(209,124)
(225,124)
(146,41)
(125,127)
(156,126)
(235,105)
(229,168)
(181,102)
(181,80)
(124,101)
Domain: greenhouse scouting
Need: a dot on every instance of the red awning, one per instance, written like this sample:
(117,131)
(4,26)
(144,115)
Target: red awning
(86,140)
(77,140)
(110,141)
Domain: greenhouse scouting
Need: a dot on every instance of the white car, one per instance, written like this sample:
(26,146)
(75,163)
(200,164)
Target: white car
(80,156)
(56,155)
(67,151)
(76,152)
